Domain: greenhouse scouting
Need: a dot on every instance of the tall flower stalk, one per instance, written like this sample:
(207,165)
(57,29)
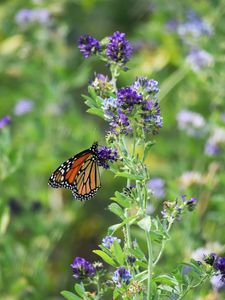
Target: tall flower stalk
(134,118)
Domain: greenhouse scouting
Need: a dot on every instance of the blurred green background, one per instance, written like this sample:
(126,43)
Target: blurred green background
(42,229)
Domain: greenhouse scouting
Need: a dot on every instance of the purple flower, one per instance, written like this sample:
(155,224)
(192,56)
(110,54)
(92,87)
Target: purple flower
(211,149)
(102,86)
(5,121)
(157,185)
(119,50)
(191,203)
(215,142)
(22,107)
(147,87)
(198,59)
(26,15)
(172,25)
(108,241)
(210,259)
(88,45)
(217,282)
(127,98)
(193,28)
(191,122)
(121,276)
(219,264)
(105,155)
(82,268)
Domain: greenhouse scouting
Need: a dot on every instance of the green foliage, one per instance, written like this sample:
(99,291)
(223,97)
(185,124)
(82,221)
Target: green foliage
(41,63)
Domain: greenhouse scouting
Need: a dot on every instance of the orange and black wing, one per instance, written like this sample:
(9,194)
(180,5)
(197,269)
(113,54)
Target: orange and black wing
(80,173)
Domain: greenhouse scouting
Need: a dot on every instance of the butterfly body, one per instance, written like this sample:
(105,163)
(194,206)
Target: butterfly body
(79,173)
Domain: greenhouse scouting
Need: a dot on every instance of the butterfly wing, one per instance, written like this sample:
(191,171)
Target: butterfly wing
(80,173)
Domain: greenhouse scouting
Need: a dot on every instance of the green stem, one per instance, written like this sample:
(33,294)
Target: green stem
(163,246)
(172,81)
(149,244)
(193,286)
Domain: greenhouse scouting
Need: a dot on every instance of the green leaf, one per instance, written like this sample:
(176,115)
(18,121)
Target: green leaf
(79,289)
(148,147)
(118,252)
(121,199)
(137,252)
(167,280)
(112,229)
(130,176)
(145,223)
(105,257)
(115,294)
(117,210)
(70,296)
(96,111)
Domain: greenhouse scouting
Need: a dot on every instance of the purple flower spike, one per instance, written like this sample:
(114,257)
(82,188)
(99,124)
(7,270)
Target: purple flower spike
(5,121)
(108,241)
(22,107)
(106,154)
(82,268)
(88,45)
(121,276)
(219,264)
(119,50)
(157,185)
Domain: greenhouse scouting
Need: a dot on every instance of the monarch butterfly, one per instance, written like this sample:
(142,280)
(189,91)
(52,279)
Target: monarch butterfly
(79,173)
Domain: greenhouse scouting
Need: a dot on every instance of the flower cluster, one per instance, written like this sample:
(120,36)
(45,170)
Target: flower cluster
(102,86)
(117,50)
(215,142)
(191,122)
(121,276)
(27,16)
(106,155)
(218,262)
(82,268)
(173,210)
(157,186)
(134,107)
(23,106)
(88,45)
(4,121)
(194,27)
(190,32)
(199,59)
(108,241)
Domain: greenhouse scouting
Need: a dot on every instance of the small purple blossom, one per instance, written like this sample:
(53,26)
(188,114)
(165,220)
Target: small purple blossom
(219,264)
(191,122)
(215,142)
(82,268)
(217,282)
(127,98)
(119,50)
(211,149)
(26,16)
(146,87)
(121,276)
(157,185)
(102,86)
(191,203)
(108,241)
(198,59)
(4,121)
(193,28)
(88,45)
(22,107)
(105,155)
